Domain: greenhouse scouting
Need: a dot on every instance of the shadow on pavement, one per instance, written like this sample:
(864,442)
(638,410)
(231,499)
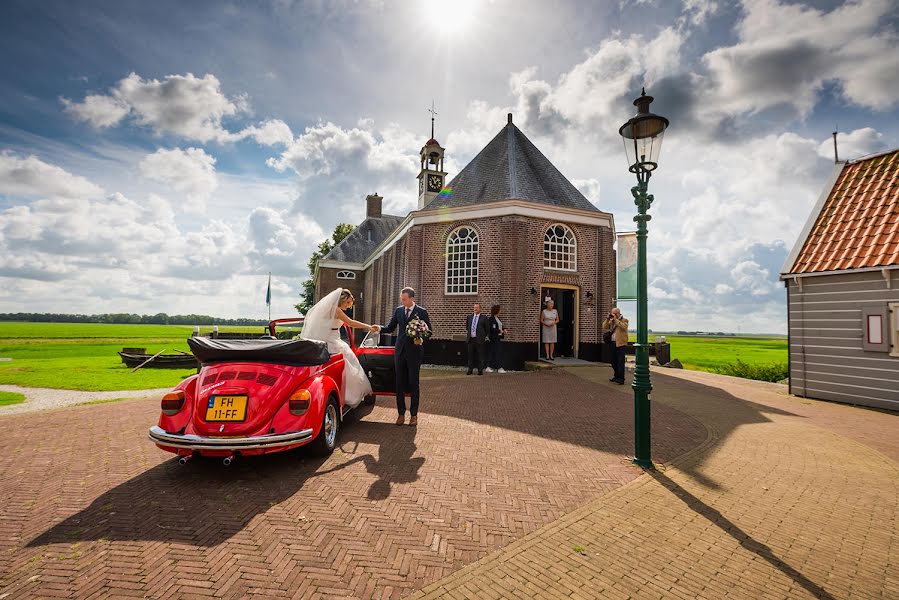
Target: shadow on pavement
(740,536)
(204,503)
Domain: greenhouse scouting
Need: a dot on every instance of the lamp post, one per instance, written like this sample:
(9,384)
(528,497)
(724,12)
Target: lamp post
(642,136)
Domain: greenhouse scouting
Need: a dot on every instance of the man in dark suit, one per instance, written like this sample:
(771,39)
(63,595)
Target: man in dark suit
(407,354)
(476,332)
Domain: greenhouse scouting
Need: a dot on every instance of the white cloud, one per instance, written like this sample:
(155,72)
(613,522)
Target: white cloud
(786,53)
(269,133)
(185,105)
(337,167)
(280,240)
(189,171)
(30,176)
(698,11)
(590,188)
(854,144)
(99,111)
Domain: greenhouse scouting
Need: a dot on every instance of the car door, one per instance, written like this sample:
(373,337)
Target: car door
(378,363)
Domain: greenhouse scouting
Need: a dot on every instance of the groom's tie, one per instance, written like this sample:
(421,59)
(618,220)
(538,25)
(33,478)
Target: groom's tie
(408,312)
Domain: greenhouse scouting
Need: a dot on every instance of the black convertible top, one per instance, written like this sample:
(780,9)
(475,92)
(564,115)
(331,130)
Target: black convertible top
(300,353)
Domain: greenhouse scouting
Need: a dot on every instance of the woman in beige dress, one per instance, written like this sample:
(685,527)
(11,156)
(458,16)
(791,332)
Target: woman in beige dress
(549,317)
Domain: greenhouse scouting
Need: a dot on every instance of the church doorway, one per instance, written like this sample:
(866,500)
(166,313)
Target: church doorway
(565,299)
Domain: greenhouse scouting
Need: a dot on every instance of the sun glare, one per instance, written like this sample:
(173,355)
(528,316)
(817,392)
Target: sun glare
(451,15)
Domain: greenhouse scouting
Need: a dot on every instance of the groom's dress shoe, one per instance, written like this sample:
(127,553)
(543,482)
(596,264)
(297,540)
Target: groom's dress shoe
(469,372)
(401,419)
(413,421)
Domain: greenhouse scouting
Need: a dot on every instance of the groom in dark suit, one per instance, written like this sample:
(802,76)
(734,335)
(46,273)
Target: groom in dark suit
(476,336)
(407,354)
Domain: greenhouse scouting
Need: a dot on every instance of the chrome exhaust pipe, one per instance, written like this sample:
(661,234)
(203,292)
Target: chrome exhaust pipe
(185,459)
(229,459)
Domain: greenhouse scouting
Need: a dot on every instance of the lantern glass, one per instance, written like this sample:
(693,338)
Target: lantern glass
(642,136)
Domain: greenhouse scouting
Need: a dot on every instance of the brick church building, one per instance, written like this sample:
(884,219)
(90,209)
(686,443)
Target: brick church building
(509,229)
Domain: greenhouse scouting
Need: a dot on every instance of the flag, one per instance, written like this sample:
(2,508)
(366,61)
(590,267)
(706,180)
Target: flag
(627,266)
(268,292)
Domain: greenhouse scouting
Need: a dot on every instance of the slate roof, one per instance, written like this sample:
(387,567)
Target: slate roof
(508,167)
(357,247)
(858,225)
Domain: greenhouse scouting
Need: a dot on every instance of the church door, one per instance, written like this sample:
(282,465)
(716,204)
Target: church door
(566,330)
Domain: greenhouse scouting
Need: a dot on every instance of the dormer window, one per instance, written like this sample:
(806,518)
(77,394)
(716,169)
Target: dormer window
(346,275)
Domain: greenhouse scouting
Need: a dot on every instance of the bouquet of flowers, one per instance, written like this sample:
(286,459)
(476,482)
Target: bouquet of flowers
(418,330)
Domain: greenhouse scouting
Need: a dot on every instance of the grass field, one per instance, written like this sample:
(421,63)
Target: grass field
(82,356)
(7,398)
(702,353)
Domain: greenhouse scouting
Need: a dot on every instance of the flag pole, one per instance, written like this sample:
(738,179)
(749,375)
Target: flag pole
(268,297)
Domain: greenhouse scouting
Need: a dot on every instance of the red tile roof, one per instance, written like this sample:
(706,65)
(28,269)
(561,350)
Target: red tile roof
(858,226)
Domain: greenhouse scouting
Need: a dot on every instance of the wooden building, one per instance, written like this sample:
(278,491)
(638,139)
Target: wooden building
(842,280)
(509,229)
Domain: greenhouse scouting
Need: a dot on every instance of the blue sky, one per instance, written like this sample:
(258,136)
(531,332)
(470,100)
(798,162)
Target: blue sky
(165,156)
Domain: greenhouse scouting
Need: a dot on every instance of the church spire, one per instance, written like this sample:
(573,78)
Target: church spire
(433,114)
(432,177)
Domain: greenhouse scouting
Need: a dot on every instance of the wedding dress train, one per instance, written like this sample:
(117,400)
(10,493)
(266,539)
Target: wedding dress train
(320,324)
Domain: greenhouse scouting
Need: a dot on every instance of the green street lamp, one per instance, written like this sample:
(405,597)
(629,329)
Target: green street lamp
(642,136)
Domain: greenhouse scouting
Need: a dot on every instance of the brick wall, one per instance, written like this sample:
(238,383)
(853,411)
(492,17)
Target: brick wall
(510,264)
(327,282)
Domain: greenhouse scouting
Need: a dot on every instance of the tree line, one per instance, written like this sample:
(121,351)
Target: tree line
(128,319)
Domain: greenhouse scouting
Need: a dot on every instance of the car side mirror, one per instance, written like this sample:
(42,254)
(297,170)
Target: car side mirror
(371,340)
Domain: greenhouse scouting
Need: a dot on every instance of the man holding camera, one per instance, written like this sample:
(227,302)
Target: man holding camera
(614,330)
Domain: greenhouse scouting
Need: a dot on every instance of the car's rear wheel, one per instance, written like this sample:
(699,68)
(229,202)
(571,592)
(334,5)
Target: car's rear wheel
(326,440)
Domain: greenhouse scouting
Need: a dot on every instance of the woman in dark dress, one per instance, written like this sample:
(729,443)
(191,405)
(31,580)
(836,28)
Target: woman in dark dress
(496,331)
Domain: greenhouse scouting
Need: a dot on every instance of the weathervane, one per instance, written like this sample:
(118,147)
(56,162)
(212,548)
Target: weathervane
(433,114)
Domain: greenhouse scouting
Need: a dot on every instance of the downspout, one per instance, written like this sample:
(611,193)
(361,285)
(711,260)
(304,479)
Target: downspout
(789,343)
(798,281)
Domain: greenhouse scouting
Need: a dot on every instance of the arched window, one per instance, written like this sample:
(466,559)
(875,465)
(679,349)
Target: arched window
(346,275)
(559,248)
(462,261)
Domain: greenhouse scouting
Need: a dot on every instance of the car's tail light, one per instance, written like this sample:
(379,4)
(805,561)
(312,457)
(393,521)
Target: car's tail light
(299,402)
(173,402)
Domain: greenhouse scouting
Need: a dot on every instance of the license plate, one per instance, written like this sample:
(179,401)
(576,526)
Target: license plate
(226,408)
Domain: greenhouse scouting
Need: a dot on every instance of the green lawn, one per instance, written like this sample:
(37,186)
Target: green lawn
(703,353)
(10,398)
(82,356)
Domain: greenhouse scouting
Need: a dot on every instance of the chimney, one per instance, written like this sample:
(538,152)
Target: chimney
(373,206)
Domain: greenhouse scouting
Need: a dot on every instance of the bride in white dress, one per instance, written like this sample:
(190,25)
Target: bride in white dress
(322,322)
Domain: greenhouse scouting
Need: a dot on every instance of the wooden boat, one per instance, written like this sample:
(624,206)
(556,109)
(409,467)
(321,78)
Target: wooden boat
(163,361)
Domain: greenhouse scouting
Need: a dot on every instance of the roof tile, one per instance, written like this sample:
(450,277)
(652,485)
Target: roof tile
(858,226)
(510,167)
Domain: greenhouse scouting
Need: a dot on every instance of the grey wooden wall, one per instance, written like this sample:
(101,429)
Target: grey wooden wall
(828,360)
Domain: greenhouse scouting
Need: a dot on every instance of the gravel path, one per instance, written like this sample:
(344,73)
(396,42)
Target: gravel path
(47,398)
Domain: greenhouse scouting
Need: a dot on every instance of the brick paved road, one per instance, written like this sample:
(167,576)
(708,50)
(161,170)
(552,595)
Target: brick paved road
(90,509)
(787,498)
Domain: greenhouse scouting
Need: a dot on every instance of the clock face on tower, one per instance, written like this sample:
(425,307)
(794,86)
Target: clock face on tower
(434,183)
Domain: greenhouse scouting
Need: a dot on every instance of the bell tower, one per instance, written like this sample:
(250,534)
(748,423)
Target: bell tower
(432,177)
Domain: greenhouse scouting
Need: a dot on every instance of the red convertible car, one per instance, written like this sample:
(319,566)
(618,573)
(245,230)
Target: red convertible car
(266,395)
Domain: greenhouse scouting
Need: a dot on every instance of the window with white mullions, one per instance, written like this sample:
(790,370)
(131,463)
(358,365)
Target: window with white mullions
(559,248)
(346,275)
(462,261)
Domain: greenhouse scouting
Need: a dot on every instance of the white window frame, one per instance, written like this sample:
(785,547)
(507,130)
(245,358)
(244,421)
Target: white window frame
(455,267)
(346,275)
(560,247)
(894,328)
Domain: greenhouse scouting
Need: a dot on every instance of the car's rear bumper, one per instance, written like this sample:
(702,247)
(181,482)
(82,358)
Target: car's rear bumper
(197,442)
